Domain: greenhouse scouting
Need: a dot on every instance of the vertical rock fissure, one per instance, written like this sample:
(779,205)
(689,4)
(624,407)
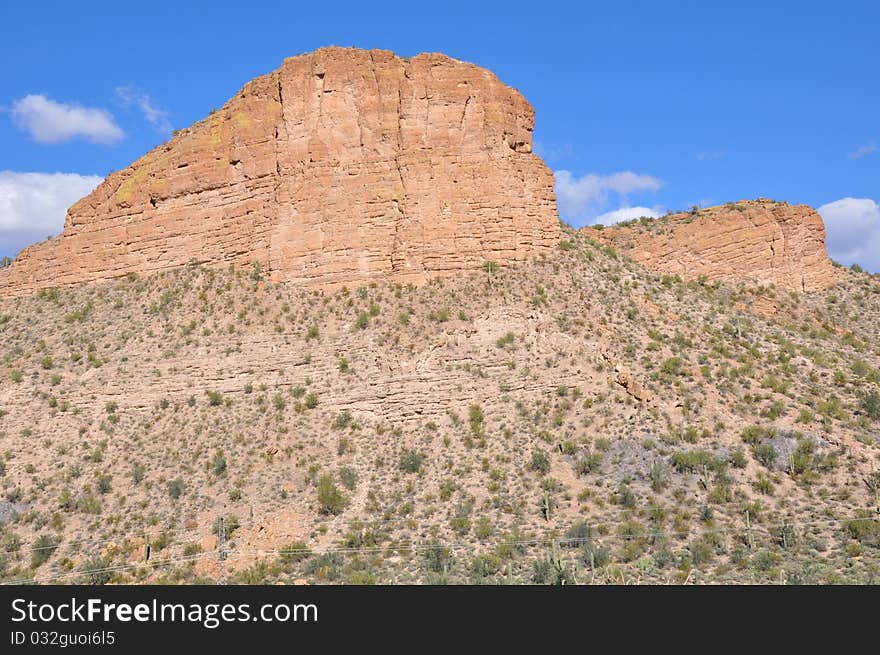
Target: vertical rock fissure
(463,115)
(783,252)
(276,187)
(400,215)
(283,124)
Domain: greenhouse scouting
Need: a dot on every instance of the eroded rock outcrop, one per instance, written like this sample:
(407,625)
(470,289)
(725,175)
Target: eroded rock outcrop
(342,167)
(763,240)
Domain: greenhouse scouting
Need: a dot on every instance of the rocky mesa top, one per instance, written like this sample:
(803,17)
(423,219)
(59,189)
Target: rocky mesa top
(344,166)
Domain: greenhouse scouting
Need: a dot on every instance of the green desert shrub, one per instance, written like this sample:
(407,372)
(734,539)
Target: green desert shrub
(348,477)
(766,454)
(865,528)
(43,548)
(588,463)
(540,462)
(578,533)
(218,463)
(694,461)
(411,461)
(330,499)
(870,404)
(104,483)
(96,571)
(436,557)
(754,434)
(176,488)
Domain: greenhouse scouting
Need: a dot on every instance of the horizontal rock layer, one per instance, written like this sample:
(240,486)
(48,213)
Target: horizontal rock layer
(342,167)
(763,240)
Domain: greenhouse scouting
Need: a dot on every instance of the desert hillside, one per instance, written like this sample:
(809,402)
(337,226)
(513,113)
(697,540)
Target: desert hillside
(572,417)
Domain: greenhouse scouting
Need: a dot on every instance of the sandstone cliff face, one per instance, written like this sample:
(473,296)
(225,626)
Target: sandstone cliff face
(762,240)
(342,167)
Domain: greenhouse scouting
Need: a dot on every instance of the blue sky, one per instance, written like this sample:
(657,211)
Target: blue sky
(640,106)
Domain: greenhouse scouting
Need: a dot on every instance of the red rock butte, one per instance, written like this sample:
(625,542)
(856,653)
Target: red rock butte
(344,166)
(766,241)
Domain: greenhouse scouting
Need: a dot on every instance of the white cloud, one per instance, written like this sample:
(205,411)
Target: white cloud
(626,214)
(48,121)
(155,116)
(33,205)
(581,199)
(866,149)
(852,228)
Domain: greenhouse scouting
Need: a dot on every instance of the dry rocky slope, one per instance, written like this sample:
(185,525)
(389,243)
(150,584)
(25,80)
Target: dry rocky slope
(768,241)
(343,166)
(572,417)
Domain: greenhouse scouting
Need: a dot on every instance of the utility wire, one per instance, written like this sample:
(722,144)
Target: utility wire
(368,523)
(416,547)
(120,538)
(109,569)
